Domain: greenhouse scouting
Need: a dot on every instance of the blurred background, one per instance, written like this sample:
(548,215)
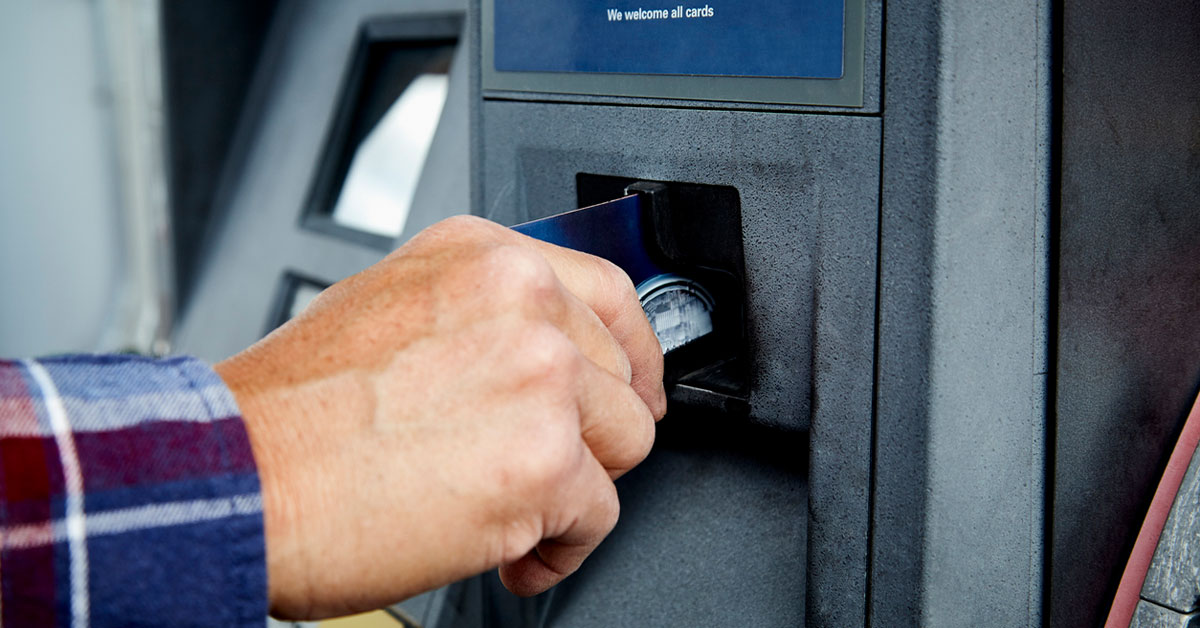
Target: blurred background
(130,128)
(181,176)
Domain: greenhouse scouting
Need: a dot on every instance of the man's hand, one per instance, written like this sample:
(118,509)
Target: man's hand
(462,405)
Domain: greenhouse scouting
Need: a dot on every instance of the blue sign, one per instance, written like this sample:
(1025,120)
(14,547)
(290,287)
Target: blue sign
(761,38)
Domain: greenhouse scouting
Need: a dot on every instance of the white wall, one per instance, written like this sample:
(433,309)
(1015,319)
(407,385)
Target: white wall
(59,238)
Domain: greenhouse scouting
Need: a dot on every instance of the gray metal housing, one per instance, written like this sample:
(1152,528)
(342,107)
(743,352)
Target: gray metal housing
(941,361)
(897,266)
(1128,334)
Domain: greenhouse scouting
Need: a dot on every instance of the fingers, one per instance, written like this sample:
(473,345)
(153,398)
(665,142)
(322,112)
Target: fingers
(598,284)
(616,425)
(581,324)
(617,430)
(613,422)
(571,539)
(608,292)
(617,419)
(520,279)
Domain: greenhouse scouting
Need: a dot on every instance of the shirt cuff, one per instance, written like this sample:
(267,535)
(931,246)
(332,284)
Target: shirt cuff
(128,495)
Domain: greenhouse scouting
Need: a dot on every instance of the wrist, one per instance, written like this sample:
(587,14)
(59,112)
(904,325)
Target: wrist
(267,435)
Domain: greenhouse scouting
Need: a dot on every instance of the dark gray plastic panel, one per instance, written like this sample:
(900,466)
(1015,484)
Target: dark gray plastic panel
(960,414)
(712,533)
(961,425)
(809,194)
(1129,277)
(794,199)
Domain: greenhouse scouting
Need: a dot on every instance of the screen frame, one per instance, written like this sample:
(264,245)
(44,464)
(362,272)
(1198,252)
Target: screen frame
(285,295)
(432,31)
(846,91)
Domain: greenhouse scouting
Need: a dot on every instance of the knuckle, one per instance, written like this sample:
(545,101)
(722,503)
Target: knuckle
(520,536)
(519,271)
(610,509)
(462,223)
(645,441)
(615,280)
(450,228)
(546,354)
(623,368)
(550,459)
(638,443)
(452,231)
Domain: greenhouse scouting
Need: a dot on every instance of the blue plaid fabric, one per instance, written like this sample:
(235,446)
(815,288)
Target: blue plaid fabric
(128,496)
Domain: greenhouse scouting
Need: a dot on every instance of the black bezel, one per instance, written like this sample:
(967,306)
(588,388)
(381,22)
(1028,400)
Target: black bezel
(432,31)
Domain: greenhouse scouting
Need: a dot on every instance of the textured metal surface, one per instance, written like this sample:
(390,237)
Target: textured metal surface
(1173,579)
(809,194)
(1149,615)
(680,555)
(793,195)
(680,310)
(961,370)
(962,347)
(1128,333)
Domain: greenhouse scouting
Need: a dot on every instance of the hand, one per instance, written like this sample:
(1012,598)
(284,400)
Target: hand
(462,405)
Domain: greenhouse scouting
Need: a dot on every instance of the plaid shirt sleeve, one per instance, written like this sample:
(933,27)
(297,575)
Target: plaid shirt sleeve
(128,496)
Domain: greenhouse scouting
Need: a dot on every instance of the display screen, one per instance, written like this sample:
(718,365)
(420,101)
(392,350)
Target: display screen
(752,38)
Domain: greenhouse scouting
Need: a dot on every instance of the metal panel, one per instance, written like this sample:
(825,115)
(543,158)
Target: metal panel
(960,412)
(809,197)
(1129,282)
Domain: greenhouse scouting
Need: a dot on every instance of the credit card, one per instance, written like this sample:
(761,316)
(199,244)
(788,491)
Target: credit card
(613,230)
(678,308)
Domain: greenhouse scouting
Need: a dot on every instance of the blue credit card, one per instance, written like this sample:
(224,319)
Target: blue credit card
(679,309)
(614,230)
